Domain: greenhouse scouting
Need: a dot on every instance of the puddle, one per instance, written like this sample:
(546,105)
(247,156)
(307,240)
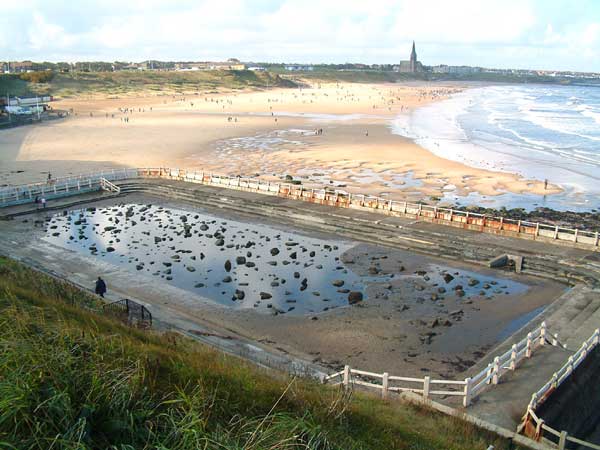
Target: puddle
(472,284)
(235,264)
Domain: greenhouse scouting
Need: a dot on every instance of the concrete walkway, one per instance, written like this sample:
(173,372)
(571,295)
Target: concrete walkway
(573,318)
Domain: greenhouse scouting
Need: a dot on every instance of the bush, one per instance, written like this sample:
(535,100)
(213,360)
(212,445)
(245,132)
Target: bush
(37,77)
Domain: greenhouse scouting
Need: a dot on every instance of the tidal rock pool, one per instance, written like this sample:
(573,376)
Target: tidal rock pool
(236,264)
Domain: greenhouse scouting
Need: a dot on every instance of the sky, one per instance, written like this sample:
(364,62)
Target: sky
(536,34)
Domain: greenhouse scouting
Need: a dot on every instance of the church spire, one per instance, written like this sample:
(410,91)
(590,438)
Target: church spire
(413,59)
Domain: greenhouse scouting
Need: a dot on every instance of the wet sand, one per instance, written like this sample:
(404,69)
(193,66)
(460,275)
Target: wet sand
(271,133)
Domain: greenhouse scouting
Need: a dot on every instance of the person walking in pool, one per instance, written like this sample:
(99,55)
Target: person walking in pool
(100,287)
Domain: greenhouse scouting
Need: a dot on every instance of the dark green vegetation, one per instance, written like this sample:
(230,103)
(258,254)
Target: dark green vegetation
(72,378)
(131,81)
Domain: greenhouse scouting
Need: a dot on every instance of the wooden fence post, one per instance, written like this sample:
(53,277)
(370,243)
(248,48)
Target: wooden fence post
(346,380)
(496,375)
(467,393)
(513,357)
(384,386)
(528,352)
(562,440)
(426,382)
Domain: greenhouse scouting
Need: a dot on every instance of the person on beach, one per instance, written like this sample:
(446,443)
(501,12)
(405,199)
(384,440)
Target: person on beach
(545,184)
(100,287)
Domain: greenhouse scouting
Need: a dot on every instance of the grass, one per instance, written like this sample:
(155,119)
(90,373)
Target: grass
(131,82)
(72,378)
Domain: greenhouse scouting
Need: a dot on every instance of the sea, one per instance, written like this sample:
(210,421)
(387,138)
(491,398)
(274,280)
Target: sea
(543,132)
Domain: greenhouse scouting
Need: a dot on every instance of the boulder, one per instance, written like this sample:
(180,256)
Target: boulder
(355,297)
(448,278)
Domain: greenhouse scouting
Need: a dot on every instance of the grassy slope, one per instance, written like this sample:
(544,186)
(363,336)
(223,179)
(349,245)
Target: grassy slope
(71,378)
(127,82)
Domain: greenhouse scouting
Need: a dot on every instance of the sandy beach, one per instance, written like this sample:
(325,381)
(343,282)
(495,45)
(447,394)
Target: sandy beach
(326,134)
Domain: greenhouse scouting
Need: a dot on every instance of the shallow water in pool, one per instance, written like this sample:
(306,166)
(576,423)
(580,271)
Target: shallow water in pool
(238,265)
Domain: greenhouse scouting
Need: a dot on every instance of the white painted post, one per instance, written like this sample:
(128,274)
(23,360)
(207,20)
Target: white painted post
(384,386)
(519,226)
(597,238)
(528,352)
(584,348)
(576,232)
(426,383)
(596,340)
(405,207)
(539,429)
(346,380)
(513,357)
(543,334)
(467,393)
(419,212)
(90,183)
(556,232)
(496,375)
(451,214)
(554,380)
(562,440)
(570,366)
(490,369)
(501,223)
(537,229)
(78,185)
(55,188)
(555,339)
(533,401)
(67,185)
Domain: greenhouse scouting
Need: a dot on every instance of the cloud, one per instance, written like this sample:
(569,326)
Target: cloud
(497,32)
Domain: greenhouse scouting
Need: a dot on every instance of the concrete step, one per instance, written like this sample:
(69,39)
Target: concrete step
(585,329)
(573,326)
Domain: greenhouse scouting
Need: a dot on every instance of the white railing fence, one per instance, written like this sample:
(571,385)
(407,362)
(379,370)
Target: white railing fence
(13,195)
(468,389)
(108,186)
(537,428)
(537,398)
